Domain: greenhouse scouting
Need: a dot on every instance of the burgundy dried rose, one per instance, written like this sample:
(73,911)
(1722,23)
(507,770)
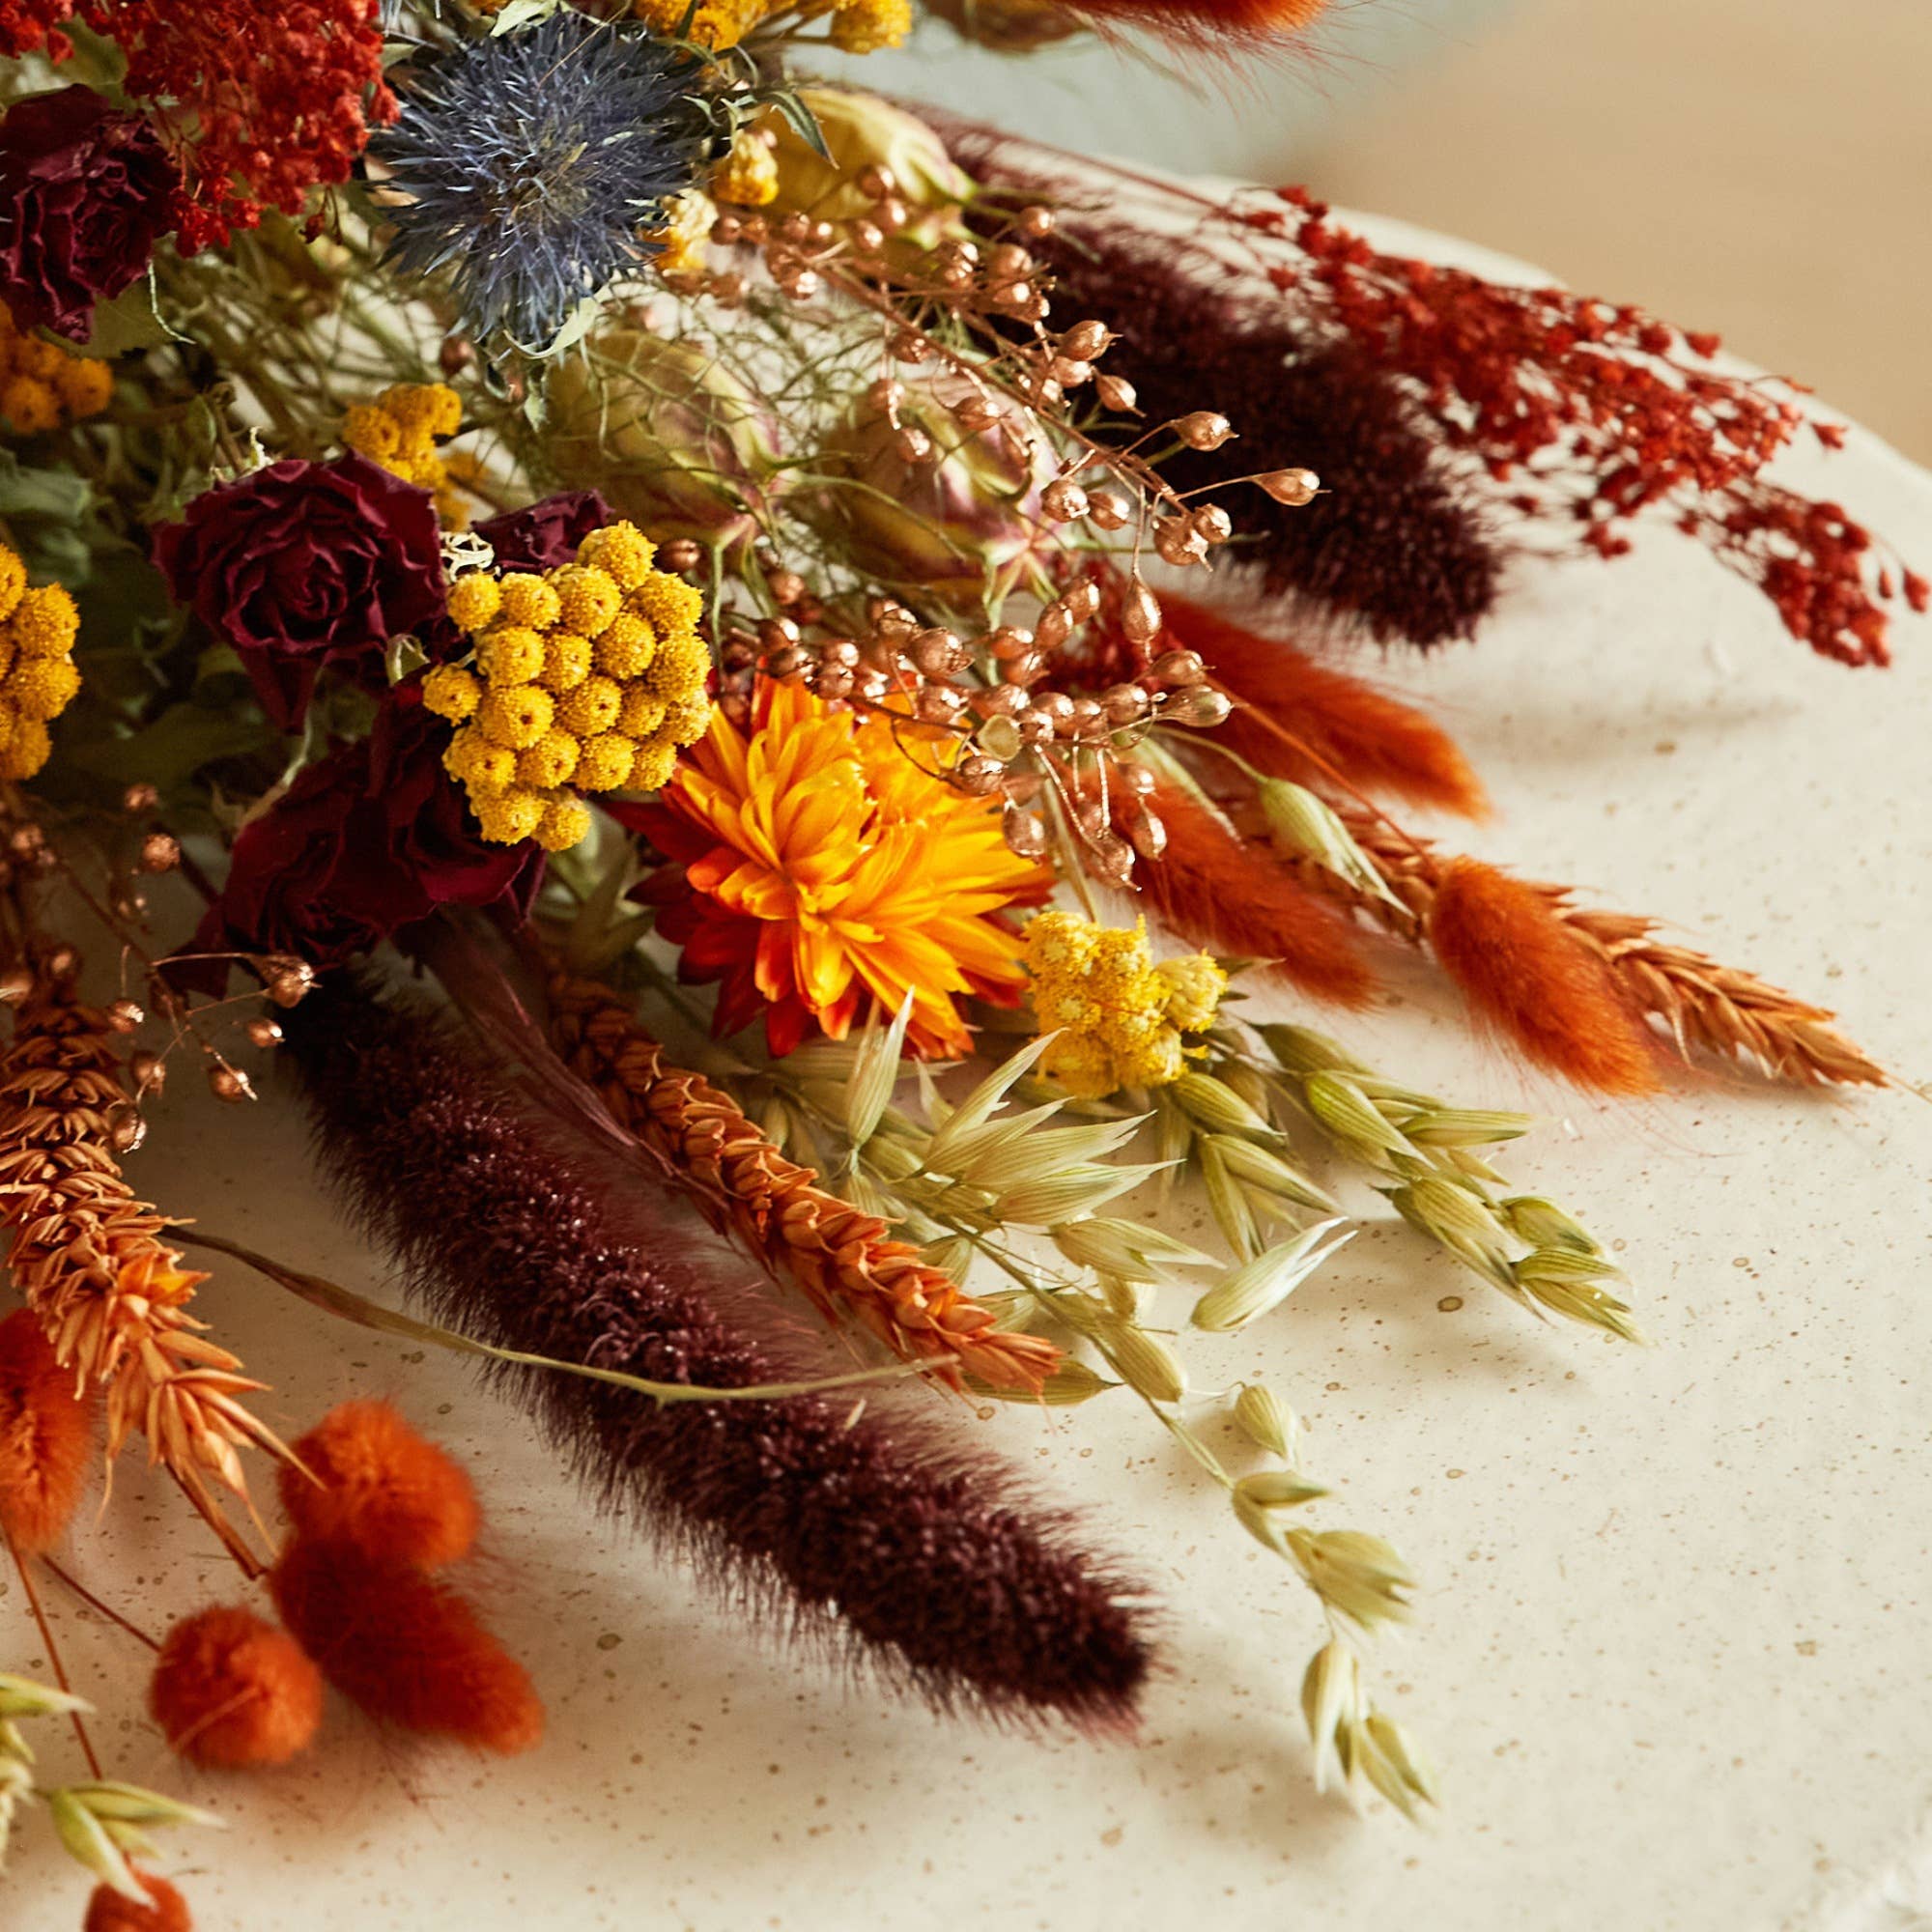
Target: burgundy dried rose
(370,839)
(85,192)
(307,564)
(543,535)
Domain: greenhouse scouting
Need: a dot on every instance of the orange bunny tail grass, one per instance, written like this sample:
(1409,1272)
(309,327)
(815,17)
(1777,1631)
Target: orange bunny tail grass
(1529,975)
(1212,889)
(382,1487)
(232,1692)
(166,1910)
(1300,718)
(405,1647)
(47,1437)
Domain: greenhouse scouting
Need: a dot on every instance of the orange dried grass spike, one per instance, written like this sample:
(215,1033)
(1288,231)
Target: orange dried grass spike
(845,1260)
(405,1647)
(1215,890)
(382,1487)
(232,1692)
(167,1911)
(47,1437)
(1211,19)
(1303,720)
(1527,974)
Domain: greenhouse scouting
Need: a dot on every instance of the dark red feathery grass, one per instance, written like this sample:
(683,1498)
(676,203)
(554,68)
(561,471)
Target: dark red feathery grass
(232,1692)
(406,1646)
(1306,721)
(1217,889)
(47,1437)
(165,1912)
(380,1486)
(854,1529)
(1525,974)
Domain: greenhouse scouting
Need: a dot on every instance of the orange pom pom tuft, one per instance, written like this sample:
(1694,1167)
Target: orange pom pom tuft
(1306,721)
(1209,20)
(47,1437)
(167,1912)
(232,1692)
(1215,890)
(382,1487)
(405,1647)
(1530,978)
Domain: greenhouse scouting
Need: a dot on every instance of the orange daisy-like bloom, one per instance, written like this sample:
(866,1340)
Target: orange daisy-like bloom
(819,872)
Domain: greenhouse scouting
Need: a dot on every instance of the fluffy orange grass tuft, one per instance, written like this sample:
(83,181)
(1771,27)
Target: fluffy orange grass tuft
(1215,890)
(1529,975)
(232,1692)
(405,1647)
(1303,720)
(47,1437)
(166,1911)
(1209,20)
(382,1487)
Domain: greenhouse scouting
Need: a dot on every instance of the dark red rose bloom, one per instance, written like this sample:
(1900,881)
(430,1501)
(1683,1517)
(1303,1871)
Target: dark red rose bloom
(84,194)
(370,839)
(306,564)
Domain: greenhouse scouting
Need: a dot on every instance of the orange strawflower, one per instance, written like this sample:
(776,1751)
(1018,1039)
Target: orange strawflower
(819,871)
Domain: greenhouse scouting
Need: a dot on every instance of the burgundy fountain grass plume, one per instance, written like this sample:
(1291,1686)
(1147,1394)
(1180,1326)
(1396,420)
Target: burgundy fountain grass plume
(912,1557)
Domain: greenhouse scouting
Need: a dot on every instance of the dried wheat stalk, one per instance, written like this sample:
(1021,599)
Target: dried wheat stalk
(842,1259)
(87,1255)
(1701,1004)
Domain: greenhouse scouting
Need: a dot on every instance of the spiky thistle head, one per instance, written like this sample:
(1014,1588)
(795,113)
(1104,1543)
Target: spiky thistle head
(529,166)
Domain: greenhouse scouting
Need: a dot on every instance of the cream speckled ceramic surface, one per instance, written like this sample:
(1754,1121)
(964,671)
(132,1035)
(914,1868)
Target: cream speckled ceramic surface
(1672,1646)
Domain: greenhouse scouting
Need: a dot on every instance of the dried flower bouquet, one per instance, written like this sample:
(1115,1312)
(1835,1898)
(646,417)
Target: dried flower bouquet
(823,631)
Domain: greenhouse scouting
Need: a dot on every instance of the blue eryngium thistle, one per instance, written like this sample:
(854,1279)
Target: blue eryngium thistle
(532,163)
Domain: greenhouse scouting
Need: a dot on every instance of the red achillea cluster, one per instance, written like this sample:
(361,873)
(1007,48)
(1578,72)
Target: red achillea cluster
(28,25)
(265,104)
(1599,412)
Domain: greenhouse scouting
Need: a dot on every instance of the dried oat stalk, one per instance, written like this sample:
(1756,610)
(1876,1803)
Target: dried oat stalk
(1704,1006)
(89,1259)
(845,1260)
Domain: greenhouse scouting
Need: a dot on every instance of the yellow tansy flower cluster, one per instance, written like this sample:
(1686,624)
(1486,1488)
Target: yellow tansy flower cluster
(586,678)
(38,678)
(41,386)
(857,26)
(1118,1016)
(401,429)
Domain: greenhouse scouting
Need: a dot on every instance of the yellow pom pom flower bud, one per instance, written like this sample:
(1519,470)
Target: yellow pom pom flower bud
(550,761)
(654,764)
(670,603)
(1194,988)
(511,815)
(474,600)
(510,654)
(30,405)
(641,712)
(371,433)
(42,687)
(566,662)
(452,693)
(604,763)
(12,581)
(85,386)
(45,622)
(27,750)
(588,598)
(516,715)
(628,646)
(528,600)
(686,720)
(622,552)
(564,823)
(591,706)
(679,668)
(493,768)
